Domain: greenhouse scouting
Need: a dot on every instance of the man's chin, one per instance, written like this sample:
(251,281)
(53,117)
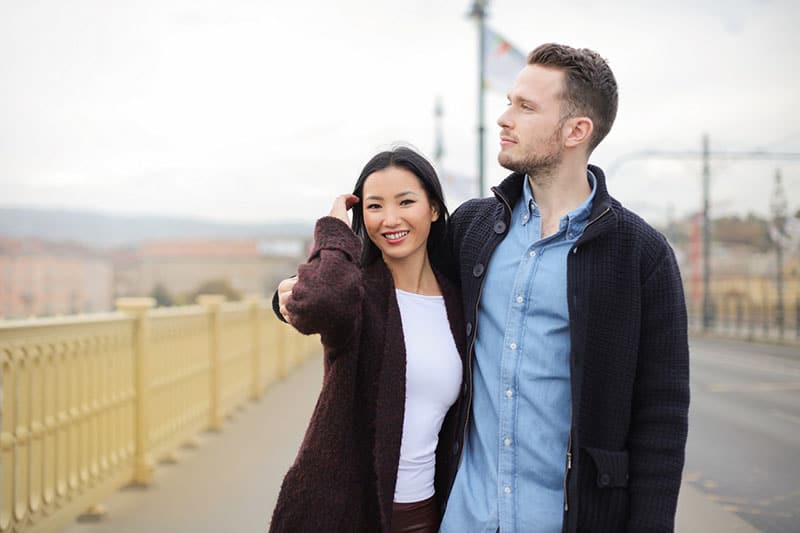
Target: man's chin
(507,162)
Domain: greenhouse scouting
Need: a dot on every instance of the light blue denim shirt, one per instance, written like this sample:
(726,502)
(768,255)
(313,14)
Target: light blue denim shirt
(513,467)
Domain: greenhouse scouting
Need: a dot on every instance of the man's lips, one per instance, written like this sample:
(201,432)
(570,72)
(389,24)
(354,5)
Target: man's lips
(506,141)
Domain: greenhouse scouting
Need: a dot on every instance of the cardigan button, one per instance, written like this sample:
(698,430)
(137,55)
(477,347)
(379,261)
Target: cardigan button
(455,448)
(477,270)
(469,329)
(464,390)
(605,480)
(499,227)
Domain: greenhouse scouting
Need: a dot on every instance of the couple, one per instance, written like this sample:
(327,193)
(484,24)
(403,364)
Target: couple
(520,367)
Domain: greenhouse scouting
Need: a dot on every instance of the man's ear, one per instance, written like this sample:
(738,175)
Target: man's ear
(578,131)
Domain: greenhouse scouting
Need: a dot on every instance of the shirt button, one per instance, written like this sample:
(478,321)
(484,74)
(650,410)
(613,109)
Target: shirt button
(507,490)
(507,442)
(509,393)
(524,218)
(520,299)
(533,253)
(513,345)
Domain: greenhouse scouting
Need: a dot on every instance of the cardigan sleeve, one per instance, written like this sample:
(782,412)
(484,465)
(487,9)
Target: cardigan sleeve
(327,296)
(660,408)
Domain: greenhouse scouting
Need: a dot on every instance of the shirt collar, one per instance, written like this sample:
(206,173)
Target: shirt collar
(574,220)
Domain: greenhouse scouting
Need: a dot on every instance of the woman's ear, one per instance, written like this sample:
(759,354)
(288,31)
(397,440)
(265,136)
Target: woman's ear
(434,213)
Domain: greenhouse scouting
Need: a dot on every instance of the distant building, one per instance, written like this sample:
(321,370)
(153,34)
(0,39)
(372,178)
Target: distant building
(41,278)
(248,266)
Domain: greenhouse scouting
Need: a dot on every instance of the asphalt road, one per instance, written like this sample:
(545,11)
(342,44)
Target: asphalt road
(744,430)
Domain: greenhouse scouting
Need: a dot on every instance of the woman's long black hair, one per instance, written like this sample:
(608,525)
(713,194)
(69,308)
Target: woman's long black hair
(405,158)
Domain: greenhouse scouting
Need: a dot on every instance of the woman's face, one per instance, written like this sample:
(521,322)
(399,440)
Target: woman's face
(397,213)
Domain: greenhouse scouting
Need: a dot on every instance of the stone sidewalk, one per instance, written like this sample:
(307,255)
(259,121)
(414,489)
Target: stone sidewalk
(231,481)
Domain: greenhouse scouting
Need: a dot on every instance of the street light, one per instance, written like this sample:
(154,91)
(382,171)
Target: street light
(779,207)
(705,154)
(478,12)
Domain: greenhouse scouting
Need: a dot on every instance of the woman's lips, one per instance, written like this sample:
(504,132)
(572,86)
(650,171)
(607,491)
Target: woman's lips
(396,236)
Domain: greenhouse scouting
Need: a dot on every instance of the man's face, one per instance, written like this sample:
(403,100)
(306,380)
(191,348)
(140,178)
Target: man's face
(530,128)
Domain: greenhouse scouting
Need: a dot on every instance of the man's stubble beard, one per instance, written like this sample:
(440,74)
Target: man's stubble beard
(539,168)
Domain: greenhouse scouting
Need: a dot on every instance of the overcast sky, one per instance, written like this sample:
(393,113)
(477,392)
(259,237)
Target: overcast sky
(254,110)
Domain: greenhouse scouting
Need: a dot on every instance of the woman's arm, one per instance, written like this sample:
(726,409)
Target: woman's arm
(327,296)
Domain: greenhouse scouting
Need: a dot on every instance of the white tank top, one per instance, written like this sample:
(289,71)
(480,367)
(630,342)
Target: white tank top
(433,381)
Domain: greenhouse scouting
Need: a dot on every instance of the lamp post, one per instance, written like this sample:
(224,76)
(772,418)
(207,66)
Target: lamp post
(705,154)
(708,305)
(779,206)
(478,12)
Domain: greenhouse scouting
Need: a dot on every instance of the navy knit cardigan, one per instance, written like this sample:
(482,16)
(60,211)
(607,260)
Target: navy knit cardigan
(629,358)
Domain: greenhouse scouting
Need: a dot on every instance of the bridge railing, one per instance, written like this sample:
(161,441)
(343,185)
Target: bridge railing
(91,403)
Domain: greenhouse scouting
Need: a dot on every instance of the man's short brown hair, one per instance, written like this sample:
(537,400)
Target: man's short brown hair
(589,85)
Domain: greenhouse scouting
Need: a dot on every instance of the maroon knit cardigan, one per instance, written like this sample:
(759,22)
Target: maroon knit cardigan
(344,476)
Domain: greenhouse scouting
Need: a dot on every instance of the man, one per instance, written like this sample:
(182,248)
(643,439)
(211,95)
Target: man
(576,321)
(576,402)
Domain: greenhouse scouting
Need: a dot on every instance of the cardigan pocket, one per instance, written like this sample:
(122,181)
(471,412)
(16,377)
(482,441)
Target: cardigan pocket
(603,495)
(612,467)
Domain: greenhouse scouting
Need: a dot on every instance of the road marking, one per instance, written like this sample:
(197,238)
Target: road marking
(759,386)
(758,365)
(786,416)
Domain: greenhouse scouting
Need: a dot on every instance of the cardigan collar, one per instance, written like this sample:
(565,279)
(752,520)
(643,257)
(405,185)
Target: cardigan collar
(604,208)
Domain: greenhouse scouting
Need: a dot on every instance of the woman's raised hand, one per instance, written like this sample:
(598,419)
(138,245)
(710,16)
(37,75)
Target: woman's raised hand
(341,205)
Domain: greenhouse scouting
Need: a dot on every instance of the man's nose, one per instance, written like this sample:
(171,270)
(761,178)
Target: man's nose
(504,121)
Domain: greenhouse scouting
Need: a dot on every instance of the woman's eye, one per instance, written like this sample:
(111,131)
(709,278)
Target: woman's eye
(406,202)
(373,206)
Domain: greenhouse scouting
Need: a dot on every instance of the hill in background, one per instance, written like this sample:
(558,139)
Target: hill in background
(103,230)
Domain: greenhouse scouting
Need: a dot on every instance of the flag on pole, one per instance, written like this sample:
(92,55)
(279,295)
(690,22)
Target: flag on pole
(502,61)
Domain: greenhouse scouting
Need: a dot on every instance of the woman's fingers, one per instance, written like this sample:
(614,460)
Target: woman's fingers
(350,200)
(284,293)
(341,204)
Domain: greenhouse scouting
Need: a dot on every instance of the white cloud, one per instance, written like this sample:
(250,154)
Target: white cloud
(246,110)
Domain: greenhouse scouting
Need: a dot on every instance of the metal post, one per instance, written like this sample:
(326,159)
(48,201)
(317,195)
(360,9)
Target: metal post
(438,150)
(708,311)
(479,13)
(779,209)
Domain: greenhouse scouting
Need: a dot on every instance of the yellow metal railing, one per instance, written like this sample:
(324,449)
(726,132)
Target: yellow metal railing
(89,403)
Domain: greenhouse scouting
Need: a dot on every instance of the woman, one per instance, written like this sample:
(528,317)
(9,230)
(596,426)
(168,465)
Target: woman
(378,452)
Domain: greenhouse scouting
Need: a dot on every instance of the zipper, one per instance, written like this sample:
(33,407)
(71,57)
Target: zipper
(595,219)
(569,442)
(569,467)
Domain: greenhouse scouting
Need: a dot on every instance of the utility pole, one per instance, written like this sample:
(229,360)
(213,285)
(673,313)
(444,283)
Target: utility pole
(708,304)
(705,154)
(479,14)
(438,151)
(779,207)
